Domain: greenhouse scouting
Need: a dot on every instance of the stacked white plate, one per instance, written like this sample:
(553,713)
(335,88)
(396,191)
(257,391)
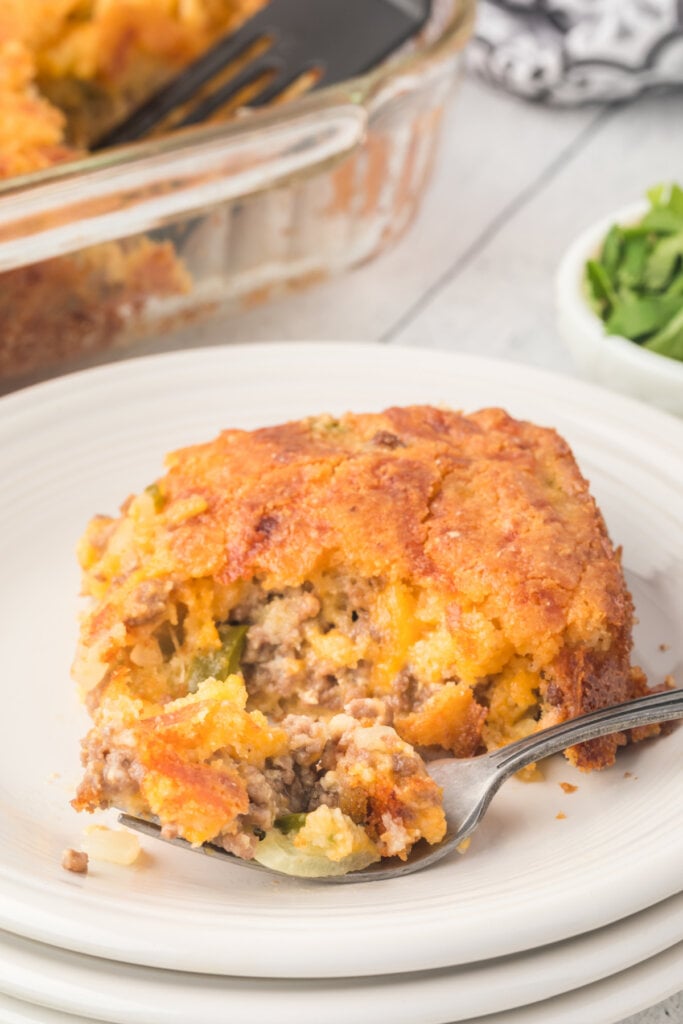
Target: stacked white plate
(565,908)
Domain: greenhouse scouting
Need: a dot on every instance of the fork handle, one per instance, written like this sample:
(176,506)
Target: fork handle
(655,707)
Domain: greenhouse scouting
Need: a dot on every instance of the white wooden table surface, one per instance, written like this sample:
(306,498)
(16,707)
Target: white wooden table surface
(513,185)
(508,171)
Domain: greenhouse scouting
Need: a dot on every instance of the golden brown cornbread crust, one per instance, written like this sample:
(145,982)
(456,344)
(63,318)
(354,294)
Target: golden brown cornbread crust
(488,600)
(70,69)
(483,511)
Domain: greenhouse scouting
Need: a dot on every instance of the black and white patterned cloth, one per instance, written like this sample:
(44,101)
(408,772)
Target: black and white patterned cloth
(569,52)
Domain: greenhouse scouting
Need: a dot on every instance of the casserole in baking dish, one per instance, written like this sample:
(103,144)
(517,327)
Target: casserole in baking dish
(101,250)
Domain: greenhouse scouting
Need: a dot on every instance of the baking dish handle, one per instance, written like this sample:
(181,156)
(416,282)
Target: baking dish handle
(133,190)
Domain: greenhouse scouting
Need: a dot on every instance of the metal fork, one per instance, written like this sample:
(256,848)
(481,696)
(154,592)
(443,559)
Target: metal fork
(469,784)
(328,41)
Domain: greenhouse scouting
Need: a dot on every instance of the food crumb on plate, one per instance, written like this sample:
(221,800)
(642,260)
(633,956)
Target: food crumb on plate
(567,787)
(76,861)
(560,815)
(116,846)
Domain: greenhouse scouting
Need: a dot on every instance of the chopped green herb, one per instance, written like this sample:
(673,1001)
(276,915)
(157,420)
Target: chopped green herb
(657,194)
(669,340)
(157,497)
(612,249)
(638,318)
(221,662)
(663,261)
(662,221)
(290,823)
(604,296)
(632,267)
(676,198)
(636,283)
(669,196)
(676,287)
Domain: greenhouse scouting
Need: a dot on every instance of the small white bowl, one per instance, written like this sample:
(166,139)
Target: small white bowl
(614,362)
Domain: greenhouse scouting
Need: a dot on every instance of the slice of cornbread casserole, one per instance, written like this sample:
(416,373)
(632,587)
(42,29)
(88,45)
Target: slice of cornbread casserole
(288,622)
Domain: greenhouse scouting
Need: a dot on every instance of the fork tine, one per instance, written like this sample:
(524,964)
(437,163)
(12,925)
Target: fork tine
(298,30)
(153,831)
(208,105)
(181,89)
(281,84)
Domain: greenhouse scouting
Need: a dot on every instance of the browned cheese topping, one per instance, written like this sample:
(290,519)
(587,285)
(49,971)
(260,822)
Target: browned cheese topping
(298,616)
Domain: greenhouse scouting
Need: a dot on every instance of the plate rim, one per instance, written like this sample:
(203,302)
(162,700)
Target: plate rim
(22,970)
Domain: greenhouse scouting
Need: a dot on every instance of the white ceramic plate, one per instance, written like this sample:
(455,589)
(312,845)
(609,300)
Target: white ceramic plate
(79,445)
(110,991)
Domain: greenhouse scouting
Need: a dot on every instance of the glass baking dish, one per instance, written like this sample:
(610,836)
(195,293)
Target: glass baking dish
(103,252)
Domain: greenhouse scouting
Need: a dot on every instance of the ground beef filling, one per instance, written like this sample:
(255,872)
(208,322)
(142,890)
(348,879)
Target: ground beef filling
(304,661)
(287,663)
(327,712)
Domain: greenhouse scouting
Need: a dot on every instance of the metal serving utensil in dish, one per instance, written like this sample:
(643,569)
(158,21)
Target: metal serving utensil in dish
(334,41)
(469,784)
